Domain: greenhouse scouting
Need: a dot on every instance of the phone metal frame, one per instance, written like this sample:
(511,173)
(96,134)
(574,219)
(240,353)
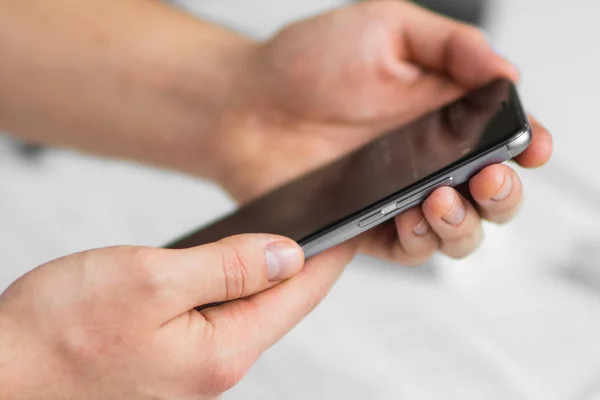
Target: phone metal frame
(387,208)
(350,227)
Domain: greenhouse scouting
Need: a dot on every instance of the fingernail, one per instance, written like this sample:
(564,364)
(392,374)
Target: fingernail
(422,228)
(505,190)
(283,261)
(457,213)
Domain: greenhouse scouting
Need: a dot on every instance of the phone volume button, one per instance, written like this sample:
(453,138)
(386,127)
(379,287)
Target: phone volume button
(413,199)
(390,208)
(370,219)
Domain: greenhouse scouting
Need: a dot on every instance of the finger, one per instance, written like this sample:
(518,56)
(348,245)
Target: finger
(231,268)
(454,220)
(407,240)
(498,192)
(540,150)
(415,241)
(451,48)
(254,324)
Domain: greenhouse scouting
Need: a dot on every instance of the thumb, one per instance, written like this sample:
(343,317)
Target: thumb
(248,328)
(229,269)
(456,50)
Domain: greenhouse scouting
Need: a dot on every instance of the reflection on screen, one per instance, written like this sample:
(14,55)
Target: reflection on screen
(383,168)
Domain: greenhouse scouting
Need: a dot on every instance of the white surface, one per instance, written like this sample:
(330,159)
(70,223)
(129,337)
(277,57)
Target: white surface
(518,320)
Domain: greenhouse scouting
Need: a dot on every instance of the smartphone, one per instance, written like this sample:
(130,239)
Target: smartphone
(380,180)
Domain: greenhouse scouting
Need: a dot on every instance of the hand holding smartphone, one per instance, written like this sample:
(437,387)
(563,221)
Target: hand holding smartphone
(393,173)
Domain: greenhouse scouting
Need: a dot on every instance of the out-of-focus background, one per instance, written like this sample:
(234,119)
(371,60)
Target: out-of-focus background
(520,319)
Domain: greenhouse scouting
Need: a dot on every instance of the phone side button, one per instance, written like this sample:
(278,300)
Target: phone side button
(370,219)
(390,208)
(412,200)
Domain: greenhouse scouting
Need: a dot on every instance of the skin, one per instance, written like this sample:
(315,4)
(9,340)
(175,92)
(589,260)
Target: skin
(140,80)
(392,51)
(128,328)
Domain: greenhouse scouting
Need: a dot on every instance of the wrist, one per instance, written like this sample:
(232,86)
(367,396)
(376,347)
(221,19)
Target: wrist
(202,86)
(199,85)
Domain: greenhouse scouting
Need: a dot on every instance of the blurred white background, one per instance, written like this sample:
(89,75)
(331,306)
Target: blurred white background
(518,320)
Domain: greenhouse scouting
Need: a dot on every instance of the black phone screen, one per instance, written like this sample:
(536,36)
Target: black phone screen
(395,162)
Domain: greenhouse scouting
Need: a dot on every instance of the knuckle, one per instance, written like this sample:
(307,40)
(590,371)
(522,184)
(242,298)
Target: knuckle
(225,374)
(87,342)
(312,300)
(235,274)
(462,248)
(383,7)
(418,257)
(455,255)
(76,345)
(422,258)
(502,217)
(473,31)
(416,261)
(144,276)
(456,251)
(416,252)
